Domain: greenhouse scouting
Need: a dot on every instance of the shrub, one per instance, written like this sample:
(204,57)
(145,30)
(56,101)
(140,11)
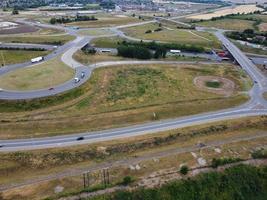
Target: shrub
(259,154)
(184,170)
(127,180)
(148,31)
(216,162)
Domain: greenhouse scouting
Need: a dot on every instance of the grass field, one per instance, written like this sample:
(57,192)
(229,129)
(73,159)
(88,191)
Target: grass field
(120,96)
(106,42)
(21,166)
(38,39)
(105,21)
(8,57)
(39,76)
(180,36)
(228,24)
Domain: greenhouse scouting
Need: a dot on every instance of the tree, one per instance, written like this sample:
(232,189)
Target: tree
(184,170)
(127,180)
(15,11)
(53,20)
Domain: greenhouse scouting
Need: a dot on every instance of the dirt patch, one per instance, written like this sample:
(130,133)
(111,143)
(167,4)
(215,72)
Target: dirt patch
(227,86)
(20,28)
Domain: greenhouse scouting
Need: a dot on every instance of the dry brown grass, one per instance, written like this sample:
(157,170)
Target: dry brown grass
(236,128)
(120,96)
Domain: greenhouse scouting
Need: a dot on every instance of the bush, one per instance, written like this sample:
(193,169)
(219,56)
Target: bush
(216,162)
(127,180)
(259,154)
(184,170)
(148,31)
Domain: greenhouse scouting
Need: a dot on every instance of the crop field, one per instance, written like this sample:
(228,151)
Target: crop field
(106,21)
(38,76)
(8,57)
(228,24)
(233,10)
(180,36)
(120,96)
(39,163)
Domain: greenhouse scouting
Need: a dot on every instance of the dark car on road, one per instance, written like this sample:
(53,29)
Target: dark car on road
(80,138)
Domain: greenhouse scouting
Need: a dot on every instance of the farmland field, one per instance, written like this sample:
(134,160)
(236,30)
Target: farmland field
(227,11)
(228,24)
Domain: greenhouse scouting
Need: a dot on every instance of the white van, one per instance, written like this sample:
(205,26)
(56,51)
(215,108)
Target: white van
(76,80)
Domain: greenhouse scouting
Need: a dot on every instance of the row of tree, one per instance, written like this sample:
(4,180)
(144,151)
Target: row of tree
(64,20)
(249,35)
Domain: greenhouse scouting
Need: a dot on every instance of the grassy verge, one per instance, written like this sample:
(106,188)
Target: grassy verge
(86,59)
(96,32)
(175,35)
(38,39)
(38,76)
(22,166)
(107,42)
(248,49)
(121,96)
(8,57)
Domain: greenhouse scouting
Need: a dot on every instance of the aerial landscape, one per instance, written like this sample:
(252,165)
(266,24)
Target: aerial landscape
(133,100)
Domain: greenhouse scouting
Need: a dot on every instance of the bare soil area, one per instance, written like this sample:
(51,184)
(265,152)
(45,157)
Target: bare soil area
(227,86)
(21,28)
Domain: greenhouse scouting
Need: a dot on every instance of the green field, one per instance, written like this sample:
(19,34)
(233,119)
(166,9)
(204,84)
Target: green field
(175,35)
(8,57)
(228,24)
(38,76)
(120,96)
(38,39)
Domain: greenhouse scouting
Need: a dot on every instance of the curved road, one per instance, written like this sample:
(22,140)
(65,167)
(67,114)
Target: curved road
(256,106)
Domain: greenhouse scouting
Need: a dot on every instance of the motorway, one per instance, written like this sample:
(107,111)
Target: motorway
(255,107)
